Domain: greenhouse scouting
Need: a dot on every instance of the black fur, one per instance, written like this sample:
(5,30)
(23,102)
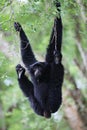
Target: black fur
(45,88)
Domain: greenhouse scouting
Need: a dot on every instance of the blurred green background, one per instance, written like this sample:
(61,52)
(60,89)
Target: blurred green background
(36,17)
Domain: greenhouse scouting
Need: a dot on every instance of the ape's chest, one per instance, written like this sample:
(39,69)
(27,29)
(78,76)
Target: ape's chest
(41,93)
(56,73)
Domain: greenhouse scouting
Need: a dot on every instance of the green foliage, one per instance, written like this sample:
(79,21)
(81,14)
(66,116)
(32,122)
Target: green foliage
(36,17)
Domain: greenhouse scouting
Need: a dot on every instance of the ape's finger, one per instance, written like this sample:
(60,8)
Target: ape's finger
(17,26)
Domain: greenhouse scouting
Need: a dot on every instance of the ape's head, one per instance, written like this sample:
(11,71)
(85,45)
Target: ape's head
(38,69)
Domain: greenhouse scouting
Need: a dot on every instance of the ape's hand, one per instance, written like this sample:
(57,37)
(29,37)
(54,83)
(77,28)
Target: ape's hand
(17,26)
(57,3)
(20,71)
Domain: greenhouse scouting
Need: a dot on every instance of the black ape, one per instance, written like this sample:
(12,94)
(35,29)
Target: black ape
(45,88)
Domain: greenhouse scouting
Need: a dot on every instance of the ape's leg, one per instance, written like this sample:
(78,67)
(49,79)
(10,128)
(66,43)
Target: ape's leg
(28,89)
(26,50)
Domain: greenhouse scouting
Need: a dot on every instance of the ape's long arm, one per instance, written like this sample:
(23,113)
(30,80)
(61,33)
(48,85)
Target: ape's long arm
(54,47)
(26,50)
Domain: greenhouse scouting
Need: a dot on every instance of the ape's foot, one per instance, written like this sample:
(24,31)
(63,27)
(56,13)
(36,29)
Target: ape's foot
(20,71)
(17,26)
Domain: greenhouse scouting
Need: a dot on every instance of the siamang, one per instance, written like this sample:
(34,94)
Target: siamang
(44,90)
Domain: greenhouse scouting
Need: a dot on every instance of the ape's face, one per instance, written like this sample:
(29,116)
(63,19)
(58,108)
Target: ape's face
(38,69)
